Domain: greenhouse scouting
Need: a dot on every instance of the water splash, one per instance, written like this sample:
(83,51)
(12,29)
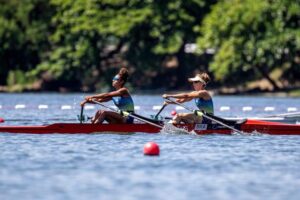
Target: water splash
(171,129)
(253,133)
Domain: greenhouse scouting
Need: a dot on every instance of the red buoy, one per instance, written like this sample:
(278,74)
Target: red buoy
(173,113)
(151,149)
(1,120)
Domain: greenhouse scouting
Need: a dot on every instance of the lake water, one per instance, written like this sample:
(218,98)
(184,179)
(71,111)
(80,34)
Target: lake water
(111,166)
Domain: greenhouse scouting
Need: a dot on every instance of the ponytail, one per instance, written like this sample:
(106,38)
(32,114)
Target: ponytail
(123,74)
(205,77)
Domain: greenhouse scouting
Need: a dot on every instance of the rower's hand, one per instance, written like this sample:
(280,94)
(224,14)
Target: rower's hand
(88,98)
(83,103)
(165,96)
(167,102)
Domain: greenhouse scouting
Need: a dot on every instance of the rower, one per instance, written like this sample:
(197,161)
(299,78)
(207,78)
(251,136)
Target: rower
(121,98)
(203,100)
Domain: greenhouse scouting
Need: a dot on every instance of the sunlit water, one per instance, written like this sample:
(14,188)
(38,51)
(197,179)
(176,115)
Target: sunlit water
(111,166)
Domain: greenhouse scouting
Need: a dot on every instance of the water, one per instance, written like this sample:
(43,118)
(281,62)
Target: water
(110,166)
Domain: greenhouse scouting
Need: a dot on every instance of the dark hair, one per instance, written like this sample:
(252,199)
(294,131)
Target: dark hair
(123,74)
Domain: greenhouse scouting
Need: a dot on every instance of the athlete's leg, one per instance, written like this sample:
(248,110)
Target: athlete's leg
(187,118)
(114,118)
(110,117)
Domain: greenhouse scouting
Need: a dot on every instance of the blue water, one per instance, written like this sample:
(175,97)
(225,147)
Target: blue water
(110,166)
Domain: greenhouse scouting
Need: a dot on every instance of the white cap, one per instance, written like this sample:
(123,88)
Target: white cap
(197,78)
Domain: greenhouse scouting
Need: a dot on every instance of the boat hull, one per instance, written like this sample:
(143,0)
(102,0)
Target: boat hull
(75,128)
(250,126)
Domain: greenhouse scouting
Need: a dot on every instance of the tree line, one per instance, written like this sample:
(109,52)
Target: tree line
(78,45)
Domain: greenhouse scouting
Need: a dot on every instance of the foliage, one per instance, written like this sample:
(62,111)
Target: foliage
(24,29)
(79,44)
(252,38)
(149,30)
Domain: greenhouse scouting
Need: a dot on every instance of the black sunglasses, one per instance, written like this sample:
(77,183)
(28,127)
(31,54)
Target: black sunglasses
(196,82)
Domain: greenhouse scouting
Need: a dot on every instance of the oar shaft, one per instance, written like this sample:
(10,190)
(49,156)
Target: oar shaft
(133,116)
(291,114)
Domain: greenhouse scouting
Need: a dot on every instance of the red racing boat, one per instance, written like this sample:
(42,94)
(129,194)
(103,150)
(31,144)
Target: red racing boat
(247,126)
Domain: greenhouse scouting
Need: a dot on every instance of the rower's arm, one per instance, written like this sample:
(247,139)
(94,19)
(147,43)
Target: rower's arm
(199,94)
(116,93)
(182,100)
(177,96)
(184,97)
(109,95)
(97,99)
(95,96)
(103,99)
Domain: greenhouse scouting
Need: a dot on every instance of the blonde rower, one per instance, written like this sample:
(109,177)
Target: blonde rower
(201,96)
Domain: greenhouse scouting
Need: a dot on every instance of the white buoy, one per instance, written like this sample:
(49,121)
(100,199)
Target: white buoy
(247,108)
(43,107)
(224,108)
(156,107)
(66,107)
(89,107)
(292,109)
(20,106)
(269,109)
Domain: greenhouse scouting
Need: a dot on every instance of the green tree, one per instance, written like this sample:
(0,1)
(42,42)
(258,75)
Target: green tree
(24,34)
(163,36)
(252,38)
(141,34)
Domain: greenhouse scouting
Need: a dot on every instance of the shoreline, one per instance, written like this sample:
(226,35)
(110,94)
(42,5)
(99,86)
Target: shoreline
(220,91)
